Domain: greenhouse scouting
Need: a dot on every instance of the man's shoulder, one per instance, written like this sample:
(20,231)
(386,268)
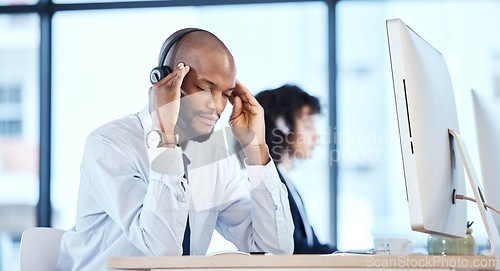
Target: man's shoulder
(119,139)
(127,127)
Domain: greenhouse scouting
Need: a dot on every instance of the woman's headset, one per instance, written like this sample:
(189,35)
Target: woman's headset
(280,121)
(161,71)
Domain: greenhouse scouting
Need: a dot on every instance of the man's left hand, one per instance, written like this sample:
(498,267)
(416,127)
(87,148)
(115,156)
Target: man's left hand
(248,126)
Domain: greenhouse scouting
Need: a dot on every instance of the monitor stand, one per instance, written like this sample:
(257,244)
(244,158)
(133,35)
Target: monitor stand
(486,216)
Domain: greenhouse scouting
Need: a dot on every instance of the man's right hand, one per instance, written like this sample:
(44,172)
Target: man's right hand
(164,98)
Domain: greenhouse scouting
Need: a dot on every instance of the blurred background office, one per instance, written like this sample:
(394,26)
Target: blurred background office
(67,68)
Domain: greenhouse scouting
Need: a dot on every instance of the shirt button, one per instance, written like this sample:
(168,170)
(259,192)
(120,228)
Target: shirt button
(267,174)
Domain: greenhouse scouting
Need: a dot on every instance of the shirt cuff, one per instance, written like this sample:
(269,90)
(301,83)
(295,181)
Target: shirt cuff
(262,177)
(166,161)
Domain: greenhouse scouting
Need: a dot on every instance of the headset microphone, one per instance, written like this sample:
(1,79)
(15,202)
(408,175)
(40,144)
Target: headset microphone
(161,71)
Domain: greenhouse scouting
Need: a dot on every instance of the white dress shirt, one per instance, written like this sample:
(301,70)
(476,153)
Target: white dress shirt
(130,205)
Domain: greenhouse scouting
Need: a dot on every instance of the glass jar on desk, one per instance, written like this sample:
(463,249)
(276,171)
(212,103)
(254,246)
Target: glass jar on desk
(440,245)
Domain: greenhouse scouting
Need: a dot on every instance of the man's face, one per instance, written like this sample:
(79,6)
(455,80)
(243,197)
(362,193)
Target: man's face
(206,89)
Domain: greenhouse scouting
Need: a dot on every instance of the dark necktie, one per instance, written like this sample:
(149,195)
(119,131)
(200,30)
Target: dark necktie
(186,242)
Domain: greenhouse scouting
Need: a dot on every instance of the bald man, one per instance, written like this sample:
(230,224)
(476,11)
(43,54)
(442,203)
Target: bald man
(157,183)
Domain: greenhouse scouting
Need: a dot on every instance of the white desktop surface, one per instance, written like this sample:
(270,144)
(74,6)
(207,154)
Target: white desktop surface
(305,262)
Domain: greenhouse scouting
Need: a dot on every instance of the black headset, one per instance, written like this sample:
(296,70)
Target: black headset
(161,71)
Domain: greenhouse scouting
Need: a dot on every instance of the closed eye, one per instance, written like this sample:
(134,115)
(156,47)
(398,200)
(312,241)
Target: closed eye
(228,93)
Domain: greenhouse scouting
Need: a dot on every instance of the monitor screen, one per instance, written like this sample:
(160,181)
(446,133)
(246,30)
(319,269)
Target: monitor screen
(487,115)
(425,107)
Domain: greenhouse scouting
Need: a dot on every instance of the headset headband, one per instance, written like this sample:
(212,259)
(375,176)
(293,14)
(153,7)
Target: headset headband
(178,36)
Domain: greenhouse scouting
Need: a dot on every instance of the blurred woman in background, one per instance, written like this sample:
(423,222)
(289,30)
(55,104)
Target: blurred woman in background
(290,117)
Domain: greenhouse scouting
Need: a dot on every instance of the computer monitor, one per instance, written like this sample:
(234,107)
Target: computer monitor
(487,116)
(426,110)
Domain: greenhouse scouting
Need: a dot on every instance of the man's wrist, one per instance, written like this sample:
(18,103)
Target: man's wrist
(257,154)
(156,139)
(170,140)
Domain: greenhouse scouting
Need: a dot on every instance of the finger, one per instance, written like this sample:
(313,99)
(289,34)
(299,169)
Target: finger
(245,94)
(231,98)
(167,78)
(252,109)
(181,73)
(173,77)
(240,90)
(237,107)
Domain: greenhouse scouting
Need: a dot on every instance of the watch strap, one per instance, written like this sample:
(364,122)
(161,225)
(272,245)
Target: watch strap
(169,140)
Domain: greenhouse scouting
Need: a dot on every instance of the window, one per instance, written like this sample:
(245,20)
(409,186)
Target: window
(16,2)
(18,132)
(10,94)
(10,108)
(10,127)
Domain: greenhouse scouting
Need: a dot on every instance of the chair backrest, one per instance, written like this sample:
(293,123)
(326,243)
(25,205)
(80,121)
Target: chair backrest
(40,249)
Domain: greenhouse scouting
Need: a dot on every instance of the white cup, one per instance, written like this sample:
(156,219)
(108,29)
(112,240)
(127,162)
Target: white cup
(394,246)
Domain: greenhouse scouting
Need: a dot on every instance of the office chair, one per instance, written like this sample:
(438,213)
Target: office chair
(40,249)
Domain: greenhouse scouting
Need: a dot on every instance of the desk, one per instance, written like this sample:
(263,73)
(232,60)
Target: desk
(305,262)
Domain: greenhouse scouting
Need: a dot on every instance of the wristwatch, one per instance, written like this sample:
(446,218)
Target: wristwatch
(155,139)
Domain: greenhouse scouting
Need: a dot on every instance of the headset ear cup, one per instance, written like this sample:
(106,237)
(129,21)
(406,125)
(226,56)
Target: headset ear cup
(159,73)
(281,125)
